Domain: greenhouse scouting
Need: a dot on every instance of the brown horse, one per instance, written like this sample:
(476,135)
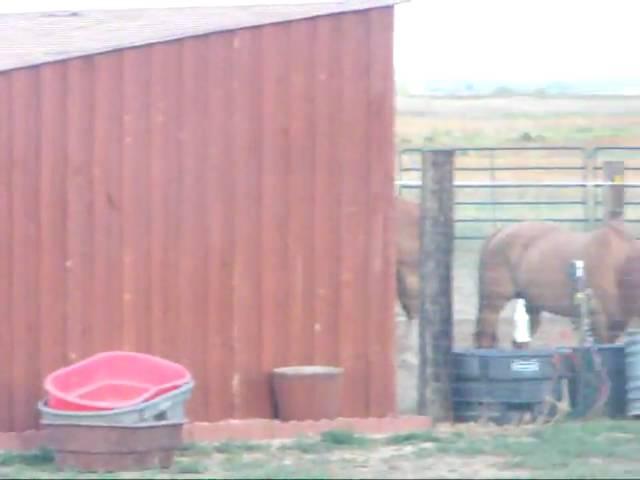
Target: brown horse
(629,286)
(407,224)
(532,260)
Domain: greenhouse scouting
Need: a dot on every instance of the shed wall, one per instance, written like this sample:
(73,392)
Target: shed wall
(223,201)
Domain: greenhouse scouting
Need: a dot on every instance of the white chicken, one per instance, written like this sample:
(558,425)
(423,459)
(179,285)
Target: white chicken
(521,331)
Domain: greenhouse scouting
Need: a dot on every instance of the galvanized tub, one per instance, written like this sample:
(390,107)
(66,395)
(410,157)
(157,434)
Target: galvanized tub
(632,367)
(168,408)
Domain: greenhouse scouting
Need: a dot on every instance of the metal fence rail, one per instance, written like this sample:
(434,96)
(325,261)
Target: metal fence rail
(587,186)
(417,184)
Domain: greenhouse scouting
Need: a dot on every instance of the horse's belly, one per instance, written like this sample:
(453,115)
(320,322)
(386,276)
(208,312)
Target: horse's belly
(545,281)
(558,302)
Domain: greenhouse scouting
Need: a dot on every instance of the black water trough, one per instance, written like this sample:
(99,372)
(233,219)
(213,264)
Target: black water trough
(500,385)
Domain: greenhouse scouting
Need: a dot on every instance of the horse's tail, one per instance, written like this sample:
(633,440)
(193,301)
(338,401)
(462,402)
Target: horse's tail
(482,262)
(479,331)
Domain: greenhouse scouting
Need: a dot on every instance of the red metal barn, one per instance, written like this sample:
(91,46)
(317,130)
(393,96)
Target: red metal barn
(212,185)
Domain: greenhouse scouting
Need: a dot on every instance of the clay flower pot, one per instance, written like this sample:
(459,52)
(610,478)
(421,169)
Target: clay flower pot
(307,392)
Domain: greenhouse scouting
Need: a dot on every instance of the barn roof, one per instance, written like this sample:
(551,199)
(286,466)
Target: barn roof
(28,39)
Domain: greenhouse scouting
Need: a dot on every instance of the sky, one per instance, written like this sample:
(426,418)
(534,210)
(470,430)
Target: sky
(506,41)
(517,40)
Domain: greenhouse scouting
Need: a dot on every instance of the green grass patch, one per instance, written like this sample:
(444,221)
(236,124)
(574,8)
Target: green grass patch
(342,438)
(189,466)
(234,447)
(39,457)
(329,440)
(305,445)
(281,471)
(275,467)
(573,449)
(193,448)
(425,436)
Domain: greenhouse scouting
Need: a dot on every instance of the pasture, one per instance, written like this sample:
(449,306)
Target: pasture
(519,121)
(597,449)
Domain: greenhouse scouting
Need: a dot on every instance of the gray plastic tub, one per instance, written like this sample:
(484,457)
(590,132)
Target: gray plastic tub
(169,407)
(632,364)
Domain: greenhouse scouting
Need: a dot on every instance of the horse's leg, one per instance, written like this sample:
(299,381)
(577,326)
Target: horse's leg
(615,318)
(495,289)
(615,328)
(606,325)
(408,287)
(485,335)
(401,290)
(598,321)
(534,319)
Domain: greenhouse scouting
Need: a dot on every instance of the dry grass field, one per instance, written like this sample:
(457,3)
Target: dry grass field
(507,121)
(481,121)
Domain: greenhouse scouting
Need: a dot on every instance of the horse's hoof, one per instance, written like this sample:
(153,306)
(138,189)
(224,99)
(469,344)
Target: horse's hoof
(520,345)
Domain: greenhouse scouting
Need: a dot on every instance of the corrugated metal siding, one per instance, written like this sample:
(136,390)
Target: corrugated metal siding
(223,201)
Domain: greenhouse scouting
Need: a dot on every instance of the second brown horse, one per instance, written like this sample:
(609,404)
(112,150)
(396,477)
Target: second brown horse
(532,260)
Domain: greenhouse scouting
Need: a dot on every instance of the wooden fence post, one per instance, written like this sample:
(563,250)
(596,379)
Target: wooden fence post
(436,312)
(613,195)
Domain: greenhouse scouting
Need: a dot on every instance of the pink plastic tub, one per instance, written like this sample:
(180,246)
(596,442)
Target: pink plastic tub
(111,380)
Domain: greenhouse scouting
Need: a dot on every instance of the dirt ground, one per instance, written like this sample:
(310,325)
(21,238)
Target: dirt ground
(565,449)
